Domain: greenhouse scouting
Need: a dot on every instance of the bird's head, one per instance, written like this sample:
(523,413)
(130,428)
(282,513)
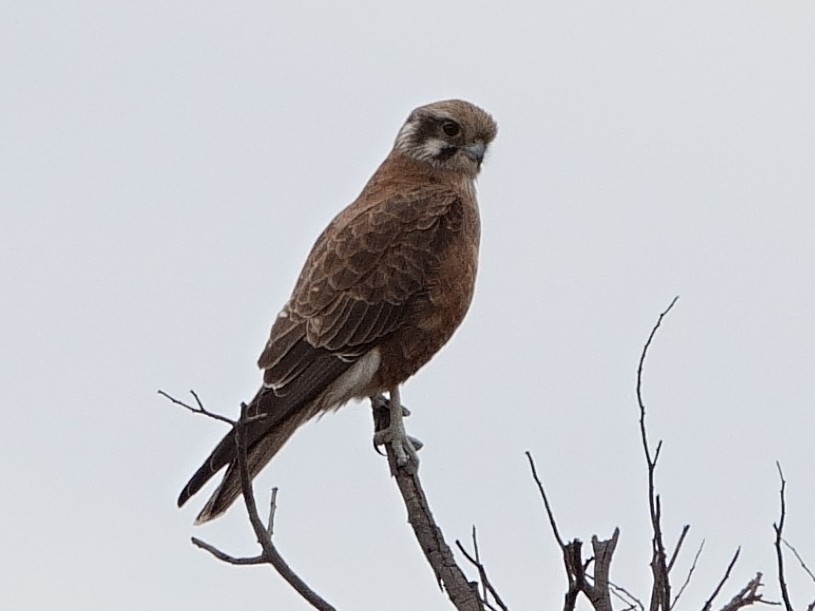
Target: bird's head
(451,135)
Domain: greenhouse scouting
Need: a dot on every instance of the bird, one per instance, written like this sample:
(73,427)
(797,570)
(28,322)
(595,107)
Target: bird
(384,287)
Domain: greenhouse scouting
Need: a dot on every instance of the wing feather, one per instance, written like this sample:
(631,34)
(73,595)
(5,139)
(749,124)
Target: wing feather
(361,280)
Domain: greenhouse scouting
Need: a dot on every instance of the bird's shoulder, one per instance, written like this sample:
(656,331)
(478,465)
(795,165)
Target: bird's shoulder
(379,246)
(372,260)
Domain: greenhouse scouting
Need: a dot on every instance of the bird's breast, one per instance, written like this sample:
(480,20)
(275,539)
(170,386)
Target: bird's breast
(437,312)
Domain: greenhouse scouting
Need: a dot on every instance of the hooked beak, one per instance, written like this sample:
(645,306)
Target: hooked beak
(475,151)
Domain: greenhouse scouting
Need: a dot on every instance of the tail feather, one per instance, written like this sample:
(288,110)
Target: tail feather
(257,457)
(264,437)
(225,452)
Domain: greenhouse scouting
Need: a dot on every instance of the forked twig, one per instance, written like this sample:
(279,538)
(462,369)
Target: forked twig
(487,588)
(599,592)
(269,555)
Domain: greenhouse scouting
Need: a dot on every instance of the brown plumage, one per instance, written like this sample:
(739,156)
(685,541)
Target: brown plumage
(383,289)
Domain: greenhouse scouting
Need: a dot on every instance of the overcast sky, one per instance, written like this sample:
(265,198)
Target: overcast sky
(166,167)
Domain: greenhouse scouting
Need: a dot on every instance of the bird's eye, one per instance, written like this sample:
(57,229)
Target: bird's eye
(451,128)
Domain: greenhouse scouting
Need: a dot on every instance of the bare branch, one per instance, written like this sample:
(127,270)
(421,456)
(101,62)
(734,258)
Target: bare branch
(226,557)
(199,408)
(779,530)
(270,552)
(272,510)
(599,593)
(626,596)
(800,560)
(263,532)
(690,572)
(486,585)
(548,507)
(661,587)
(463,594)
(623,595)
(747,596)
(678,547)
(572,554)
(709,602)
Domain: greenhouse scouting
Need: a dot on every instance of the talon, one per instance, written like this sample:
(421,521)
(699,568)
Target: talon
(404,447)
(416,443)
(378,441)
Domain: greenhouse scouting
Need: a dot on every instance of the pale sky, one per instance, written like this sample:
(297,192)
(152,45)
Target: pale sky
(165,170)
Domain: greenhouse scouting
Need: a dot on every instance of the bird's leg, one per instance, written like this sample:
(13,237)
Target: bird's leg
(404,447)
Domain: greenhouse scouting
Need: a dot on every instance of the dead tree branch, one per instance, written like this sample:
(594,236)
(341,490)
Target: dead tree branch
(627,597)
(487,589)
(779,531)
(709,602)
(462,593)
(599,592)
(678,547)
(747,596)
(799,559)
(690,572)
(263,532)
(661,587)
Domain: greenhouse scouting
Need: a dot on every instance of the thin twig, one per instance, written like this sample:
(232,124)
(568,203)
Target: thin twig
(661,587)
(272,510)
(270,554)
(632,600)
(678,547)
(689,575)
(571,551)
(779,530)
(486,585)
(542,492)
(719,587)
(261,559)
(200,409)
(269,550)
(478,562)
(800,560)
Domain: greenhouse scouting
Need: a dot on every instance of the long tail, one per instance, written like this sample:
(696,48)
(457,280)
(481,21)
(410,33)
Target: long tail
(264,437)
(257,457)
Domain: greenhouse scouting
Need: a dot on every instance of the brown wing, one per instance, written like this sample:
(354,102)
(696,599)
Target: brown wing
(360,281)
(364,275)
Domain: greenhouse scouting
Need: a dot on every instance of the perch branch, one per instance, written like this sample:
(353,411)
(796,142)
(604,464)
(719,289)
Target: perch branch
(463,594)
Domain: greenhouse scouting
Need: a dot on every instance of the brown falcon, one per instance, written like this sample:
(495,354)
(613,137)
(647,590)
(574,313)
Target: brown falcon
(383,289)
